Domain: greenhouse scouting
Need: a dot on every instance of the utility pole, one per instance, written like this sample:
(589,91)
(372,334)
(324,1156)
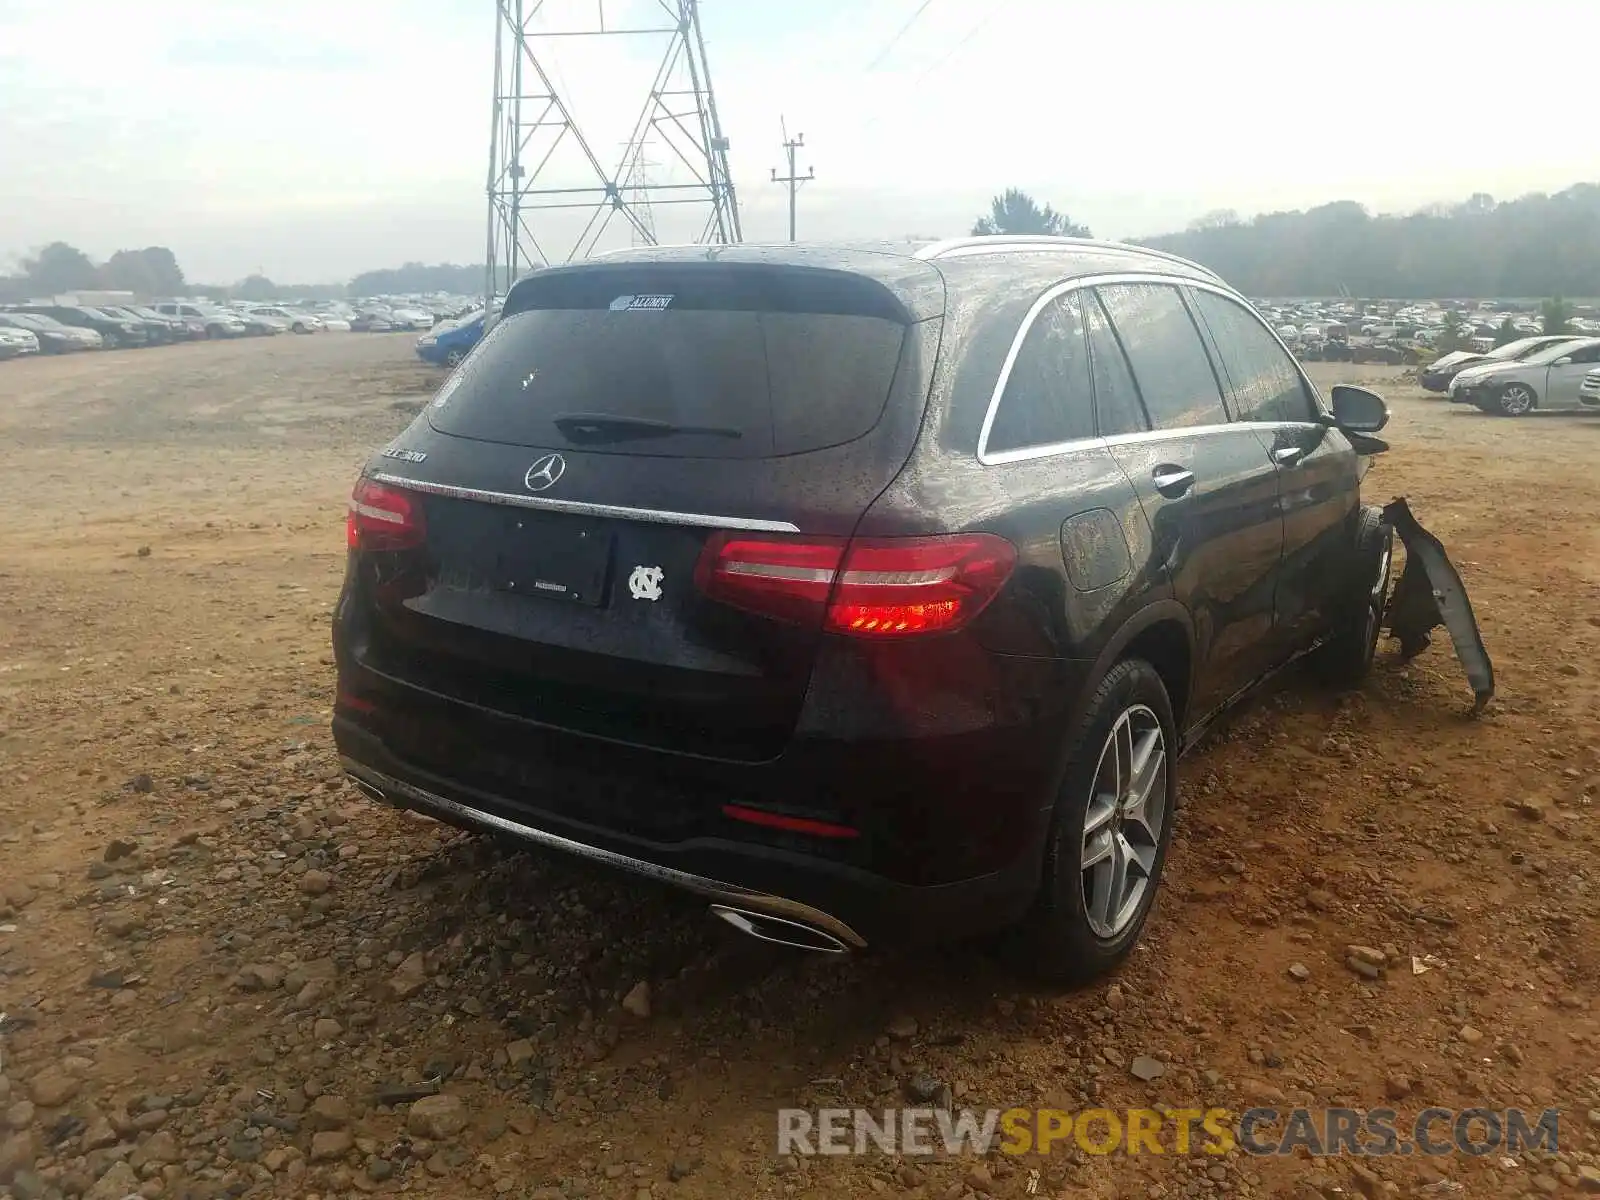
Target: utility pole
(790,145)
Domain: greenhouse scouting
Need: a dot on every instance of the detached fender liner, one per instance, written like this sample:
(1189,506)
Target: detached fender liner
(1431,593)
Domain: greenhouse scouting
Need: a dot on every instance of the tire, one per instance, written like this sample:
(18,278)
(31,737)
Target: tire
(1345,659)
(297,327)
(1067,937)
(1516,400)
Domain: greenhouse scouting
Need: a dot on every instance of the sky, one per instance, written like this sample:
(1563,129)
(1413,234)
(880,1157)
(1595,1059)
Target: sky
(313,139)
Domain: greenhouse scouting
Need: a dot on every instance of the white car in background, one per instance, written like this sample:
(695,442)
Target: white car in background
(16,342)
(1589,390)
(1549,378)
(411,318)
(298,322)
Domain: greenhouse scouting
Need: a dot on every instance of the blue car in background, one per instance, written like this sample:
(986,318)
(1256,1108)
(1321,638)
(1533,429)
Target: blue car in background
(448,344)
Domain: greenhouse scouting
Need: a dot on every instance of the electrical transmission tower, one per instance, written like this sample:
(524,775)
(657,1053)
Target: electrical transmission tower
(638,181)
(538,197)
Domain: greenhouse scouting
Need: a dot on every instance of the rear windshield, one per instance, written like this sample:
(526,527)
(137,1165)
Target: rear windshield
(702,360)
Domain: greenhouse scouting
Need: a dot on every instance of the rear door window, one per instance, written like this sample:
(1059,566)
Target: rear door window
(1048,396)
(1117,406)
(724,361)
(1267,386)
(1169,360)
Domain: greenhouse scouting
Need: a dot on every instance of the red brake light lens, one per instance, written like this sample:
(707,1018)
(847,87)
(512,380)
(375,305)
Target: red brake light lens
(784,577)
(870,587)
(381,517)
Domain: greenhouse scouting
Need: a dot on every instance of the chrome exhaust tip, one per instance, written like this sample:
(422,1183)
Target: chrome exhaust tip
(780,930)
(368,790)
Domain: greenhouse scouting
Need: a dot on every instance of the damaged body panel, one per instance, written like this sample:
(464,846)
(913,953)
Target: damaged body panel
(1430,594)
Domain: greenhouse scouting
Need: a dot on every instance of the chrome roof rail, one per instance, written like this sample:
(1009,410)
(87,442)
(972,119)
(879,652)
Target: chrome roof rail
(999,243)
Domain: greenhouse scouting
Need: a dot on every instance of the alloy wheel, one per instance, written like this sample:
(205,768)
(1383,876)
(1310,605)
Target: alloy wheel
(1122,825)
(1516,399)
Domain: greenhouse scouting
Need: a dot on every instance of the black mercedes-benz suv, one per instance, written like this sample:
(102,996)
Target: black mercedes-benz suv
(870,594)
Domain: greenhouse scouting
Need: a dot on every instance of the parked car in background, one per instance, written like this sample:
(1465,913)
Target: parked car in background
(372,320)
(1589,390)
(114,331)
(1548,378)
(410,318)
(218,321)
(333,324)
(866,596)
(54,337)
(450,342)
(258,325)
(1437,375)
(184,328)
(14,343)
(159,330)
(295,322)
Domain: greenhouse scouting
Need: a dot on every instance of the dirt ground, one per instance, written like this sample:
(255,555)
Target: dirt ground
(223,972)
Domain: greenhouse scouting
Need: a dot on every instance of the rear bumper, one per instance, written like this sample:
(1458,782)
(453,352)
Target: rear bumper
(479,813)
(851,903)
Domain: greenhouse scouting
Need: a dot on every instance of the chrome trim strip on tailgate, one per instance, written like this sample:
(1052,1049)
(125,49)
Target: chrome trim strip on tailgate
(434,804)
(583,508)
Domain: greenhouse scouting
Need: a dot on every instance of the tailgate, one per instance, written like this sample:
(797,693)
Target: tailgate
(575,465)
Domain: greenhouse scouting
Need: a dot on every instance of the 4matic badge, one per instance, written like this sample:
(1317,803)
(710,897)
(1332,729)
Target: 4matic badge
(645,583)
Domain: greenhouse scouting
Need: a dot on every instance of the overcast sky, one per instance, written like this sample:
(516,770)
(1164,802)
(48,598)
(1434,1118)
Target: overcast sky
(312,139)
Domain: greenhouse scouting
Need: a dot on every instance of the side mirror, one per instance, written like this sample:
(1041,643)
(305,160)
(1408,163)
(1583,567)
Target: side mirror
(1357,410)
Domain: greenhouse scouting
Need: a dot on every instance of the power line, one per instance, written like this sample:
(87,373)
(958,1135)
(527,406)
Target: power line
(967,37)
(793,179)
(895,40)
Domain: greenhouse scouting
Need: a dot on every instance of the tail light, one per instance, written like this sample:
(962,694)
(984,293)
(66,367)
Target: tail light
(383,518)
(868,587)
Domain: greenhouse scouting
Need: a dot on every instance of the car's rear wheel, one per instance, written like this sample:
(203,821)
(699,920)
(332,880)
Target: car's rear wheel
(1108,835)
(1346,657)
(1515,400)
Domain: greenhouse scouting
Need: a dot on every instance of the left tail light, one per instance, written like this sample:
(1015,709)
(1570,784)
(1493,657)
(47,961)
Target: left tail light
(382,517)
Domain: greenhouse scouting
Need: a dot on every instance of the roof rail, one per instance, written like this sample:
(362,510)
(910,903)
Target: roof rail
(998,243)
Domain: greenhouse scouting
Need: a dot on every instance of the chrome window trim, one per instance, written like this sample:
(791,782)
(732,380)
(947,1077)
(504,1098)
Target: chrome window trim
(1055,291)
(583,508)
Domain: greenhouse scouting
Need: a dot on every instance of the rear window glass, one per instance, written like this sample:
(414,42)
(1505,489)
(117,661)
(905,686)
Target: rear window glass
(710,361)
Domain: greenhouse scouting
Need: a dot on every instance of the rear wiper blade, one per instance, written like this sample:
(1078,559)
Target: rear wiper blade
(609,427)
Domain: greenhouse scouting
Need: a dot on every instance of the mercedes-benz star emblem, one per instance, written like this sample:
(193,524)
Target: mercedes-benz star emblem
(545,472)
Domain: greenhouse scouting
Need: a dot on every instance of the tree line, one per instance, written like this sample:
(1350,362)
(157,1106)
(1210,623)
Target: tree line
(1536,245)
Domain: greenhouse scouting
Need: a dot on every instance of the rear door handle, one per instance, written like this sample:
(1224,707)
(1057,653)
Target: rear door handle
(1288,456)
(1172,481)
